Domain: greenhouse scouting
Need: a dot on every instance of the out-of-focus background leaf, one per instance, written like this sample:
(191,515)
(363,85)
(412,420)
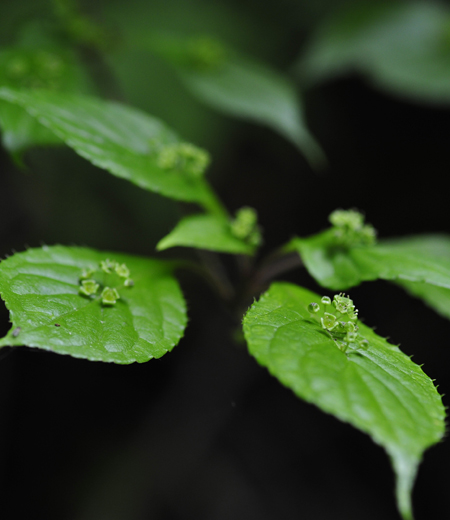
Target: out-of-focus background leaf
(403,47)
(205,432)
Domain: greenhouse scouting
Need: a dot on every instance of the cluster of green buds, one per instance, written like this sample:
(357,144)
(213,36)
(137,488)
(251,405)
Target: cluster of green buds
(205,53)
(245,226)
(183,157)
(34,69)
(350,230)
(338,317)
(108,273)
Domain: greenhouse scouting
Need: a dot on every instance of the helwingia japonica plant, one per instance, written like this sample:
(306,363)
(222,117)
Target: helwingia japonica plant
(115,307)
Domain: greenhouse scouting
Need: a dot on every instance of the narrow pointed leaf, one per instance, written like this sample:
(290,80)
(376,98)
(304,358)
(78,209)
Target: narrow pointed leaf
(243,88)
(417,259)
(41,289)
(120,139)
(205,232)
(378,389)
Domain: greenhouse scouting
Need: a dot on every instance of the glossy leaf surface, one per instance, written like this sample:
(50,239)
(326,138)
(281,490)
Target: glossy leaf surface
(205,232)
(401,46)
(41,289)
(120,139)
(243,88)
(416,259)
(378,389)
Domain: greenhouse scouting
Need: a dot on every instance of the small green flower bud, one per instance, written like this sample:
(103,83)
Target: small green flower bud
(329,321)
(109,296)
(167,158)
(368,235)
(350,230)
(122,271)
(108,265)
(245,226)
(89,287)
(342,345)
(86,273)
(326,300)
(254,238)
(350,219)
(342,303)
(350,327)
(351,337)
(128,282)
(183,157)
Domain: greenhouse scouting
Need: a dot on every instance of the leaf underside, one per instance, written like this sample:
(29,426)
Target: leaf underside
(205,232)
(250,91)
(241,87)
(40,288)
(379,390)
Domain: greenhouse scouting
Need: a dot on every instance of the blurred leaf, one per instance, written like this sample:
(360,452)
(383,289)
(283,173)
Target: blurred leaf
(416,259)
(206,232)
(124,141)
(41,289)
(402,47)
(378,389)
(241,87)
(438,298)
(32,68)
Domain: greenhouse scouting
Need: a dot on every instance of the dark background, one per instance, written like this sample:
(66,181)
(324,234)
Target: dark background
(204,433)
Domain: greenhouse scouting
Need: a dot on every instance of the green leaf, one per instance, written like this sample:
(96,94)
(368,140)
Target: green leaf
(43,290)
(206,232)
(23,67)
(438,298)
(378,389)
(122,140)
(400,46)
(416,259)
(20,130)
(241,87)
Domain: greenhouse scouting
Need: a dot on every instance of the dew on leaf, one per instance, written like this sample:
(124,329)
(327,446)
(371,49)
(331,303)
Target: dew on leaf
(340,325)
(313,307)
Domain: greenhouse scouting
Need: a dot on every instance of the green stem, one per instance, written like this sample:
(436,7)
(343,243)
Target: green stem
(275,264)
(212,271)
(211,202)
